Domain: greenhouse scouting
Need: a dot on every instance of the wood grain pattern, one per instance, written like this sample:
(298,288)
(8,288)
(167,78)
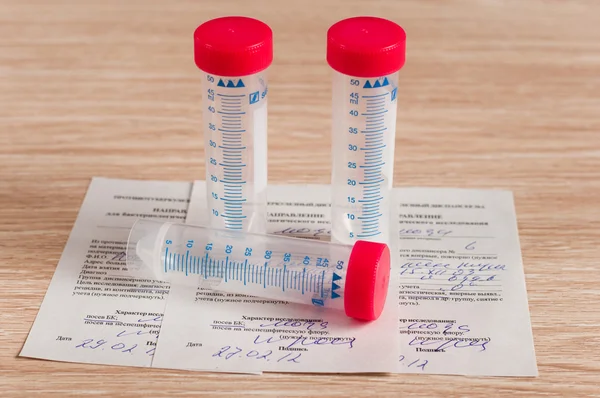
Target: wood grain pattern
(495,94)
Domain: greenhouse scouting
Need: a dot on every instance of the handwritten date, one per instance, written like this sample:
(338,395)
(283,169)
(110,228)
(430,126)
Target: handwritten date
(227,352)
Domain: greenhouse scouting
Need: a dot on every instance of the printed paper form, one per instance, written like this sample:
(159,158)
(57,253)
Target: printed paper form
(463,303)
(93,311)
(462,289)
(452,331)
(204,329)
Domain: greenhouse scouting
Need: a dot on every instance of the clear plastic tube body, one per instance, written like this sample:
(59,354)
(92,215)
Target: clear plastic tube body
(281,268)
(364,125)
(235,141)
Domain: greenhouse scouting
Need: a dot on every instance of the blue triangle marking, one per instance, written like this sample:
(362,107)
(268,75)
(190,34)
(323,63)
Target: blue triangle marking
(240,83)
(230,83)
(385,82)
(367,85)
(377,84)
(221,84)
(334,295)
(336,277)
(334,286)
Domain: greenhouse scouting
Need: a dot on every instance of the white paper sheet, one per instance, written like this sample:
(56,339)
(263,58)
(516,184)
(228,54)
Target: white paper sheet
(462,288)
(93,311)
(463,304)
(265,336)
(462,296)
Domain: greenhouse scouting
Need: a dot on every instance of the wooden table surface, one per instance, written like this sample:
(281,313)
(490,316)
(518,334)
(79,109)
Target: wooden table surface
(495,94)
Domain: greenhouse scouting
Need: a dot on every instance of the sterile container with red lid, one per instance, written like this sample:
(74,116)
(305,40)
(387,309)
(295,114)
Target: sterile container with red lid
(234,54)
(366,54)
(351,278)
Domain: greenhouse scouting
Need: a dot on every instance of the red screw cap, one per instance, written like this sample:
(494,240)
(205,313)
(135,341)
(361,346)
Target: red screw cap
(366,47)
(367,280)
(233,46)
